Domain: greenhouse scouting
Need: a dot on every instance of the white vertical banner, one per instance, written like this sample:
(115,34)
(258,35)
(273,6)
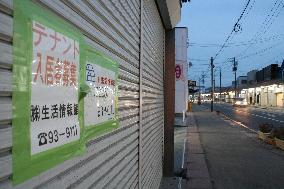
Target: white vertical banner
(181,70)
(54,89)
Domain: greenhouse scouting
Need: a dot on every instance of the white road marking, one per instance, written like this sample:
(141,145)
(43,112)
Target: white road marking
(240,124)
(269,114)
(182,162)
(262,116)
(260,111)
(253,114)
(276,120)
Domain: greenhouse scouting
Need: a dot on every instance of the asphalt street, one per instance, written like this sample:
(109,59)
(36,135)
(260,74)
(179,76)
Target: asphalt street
(236,159)
(250,116)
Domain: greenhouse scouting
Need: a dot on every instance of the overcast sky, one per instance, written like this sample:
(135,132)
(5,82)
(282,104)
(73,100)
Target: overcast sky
(257,44)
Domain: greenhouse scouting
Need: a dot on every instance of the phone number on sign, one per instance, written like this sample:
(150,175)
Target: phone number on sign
(105,110)
(54,136)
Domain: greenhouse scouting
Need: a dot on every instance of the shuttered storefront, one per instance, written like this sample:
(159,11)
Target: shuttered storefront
(279,99)
(111,161)
(153,96)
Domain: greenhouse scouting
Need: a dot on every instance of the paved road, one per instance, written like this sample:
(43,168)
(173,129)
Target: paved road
(250,116)
(236,159)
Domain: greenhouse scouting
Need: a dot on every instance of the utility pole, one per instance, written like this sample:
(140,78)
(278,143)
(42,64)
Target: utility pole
(199,80)
(235,70)
(199,98)
(212,88)
(214,83)
(220,85)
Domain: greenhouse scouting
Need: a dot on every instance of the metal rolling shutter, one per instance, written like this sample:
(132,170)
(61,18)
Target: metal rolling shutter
(153,96)
(6,30)
(279,99)
(111,161)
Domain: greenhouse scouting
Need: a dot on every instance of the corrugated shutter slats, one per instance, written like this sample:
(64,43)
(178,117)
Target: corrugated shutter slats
(111,161)
(153,99)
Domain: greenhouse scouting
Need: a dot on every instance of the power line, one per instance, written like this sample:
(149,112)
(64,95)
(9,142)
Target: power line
(274,17)
(197,59)
(233,30)
(245,43)
(260,52)
(247,12)
(266,24)
(201,65)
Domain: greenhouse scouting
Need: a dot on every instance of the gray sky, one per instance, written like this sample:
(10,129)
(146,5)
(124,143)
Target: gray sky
(259,43)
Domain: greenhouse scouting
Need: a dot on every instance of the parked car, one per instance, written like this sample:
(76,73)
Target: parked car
(240,102)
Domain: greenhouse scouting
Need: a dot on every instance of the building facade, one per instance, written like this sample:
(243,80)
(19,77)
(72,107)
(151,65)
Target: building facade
(132,34)
(265,95)
(264,87)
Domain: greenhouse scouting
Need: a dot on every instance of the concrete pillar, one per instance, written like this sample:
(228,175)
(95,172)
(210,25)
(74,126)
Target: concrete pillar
(169,103)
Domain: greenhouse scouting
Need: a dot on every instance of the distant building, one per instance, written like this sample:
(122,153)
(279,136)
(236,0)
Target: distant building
(265,87)
(270,72)
(281,71)
(241,81)
(251,77)
(259,76)
(208,90)
(216,89)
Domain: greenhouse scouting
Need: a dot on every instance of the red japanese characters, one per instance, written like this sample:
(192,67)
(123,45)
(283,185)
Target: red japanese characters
(55,57)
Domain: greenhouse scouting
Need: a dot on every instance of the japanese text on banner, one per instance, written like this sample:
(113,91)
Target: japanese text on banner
(54,91)
(100,102)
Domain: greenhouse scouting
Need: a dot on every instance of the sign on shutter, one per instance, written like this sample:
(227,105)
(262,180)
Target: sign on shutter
(47,120)
(54,90)
(100,104)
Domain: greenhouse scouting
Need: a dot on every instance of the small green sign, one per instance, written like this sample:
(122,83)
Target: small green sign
(100,104)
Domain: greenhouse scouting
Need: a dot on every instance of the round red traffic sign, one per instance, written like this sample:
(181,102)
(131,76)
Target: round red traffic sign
(178,71)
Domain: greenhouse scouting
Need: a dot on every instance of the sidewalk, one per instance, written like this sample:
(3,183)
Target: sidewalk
(189,163)
(197,171)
